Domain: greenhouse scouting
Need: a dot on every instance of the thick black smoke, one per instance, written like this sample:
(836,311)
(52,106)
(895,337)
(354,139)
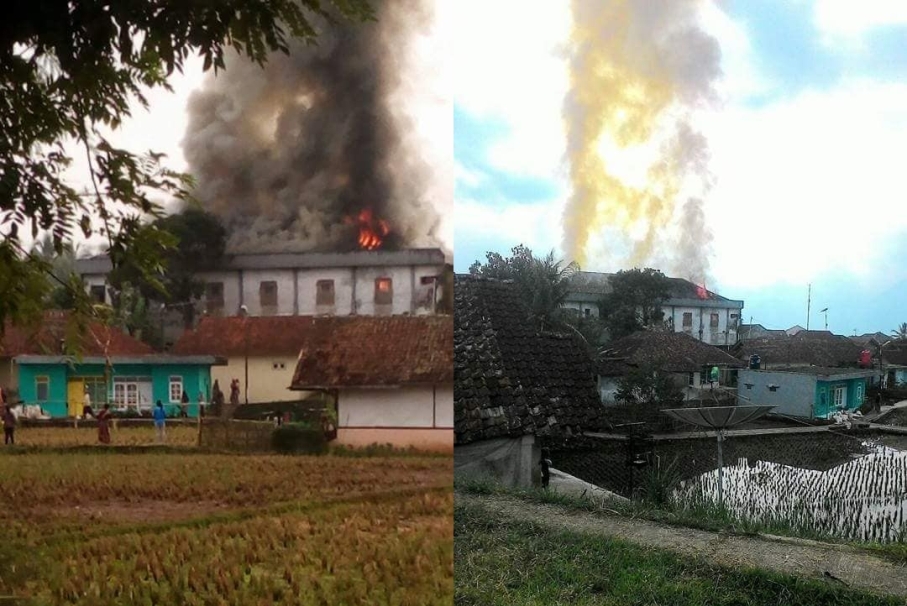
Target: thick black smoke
(286,153)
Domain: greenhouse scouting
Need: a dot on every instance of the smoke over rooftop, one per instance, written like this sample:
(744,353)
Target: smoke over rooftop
(296,155)
(639,71)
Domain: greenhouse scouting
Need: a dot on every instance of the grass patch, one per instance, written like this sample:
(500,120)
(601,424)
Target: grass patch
(504,562)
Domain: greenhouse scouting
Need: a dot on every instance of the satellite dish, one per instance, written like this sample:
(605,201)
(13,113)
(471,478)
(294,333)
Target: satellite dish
(719,418)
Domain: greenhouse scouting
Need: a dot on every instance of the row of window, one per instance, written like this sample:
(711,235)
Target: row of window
(267,294)
(131,391)
(713,320)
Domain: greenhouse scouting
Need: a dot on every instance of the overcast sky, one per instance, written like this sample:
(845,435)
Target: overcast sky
(807,147)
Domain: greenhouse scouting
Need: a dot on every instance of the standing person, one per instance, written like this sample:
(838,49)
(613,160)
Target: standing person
(103,418)
(9,425)
(86,404)
(160,418)
(184,405)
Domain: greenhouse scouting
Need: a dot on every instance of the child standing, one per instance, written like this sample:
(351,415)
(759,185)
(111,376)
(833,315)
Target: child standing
(160,418)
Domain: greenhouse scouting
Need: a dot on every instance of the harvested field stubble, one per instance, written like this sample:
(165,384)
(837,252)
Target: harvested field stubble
(87,435)
(192,528)
(363,553)
(53,479)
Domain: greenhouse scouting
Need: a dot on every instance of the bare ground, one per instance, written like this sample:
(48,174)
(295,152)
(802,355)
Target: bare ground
(834,563)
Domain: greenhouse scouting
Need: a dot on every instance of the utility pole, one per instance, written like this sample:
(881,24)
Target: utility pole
(825,311)
(809,294)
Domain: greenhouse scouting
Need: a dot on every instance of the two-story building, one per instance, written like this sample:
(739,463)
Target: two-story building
(402,282)
(690,308)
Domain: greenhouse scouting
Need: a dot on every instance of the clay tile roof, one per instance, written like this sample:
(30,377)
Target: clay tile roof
(45,338)
(509,379)
(372,351)
(807,348)
(667,351)
(238,336)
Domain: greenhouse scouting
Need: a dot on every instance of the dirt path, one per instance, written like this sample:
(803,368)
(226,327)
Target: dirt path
(790,556)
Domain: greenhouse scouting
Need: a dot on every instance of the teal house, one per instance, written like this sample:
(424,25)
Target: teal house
(114,368)
(59,384)
(809,392)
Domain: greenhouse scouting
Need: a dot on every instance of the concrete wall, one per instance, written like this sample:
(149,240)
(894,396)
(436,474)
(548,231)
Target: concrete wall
(795,395)
(582,306)
(514,462)
(411,416)
(266,383)
(724,333)
(423,407)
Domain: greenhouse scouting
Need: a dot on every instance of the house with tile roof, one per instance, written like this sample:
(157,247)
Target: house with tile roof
(514,386)
(112,367)
(261,353)
(690,308)
(391,378)
(688,360)
(805,348)
(747,332)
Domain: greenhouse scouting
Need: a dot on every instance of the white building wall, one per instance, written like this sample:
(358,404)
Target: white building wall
(402,278)
(354,289)
(408,407)
(230,280)
(251,290)
(307,280)
(444,406)
(717,335)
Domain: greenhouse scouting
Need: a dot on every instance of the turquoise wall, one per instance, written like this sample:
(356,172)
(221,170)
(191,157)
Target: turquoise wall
(55,405)
(196,379)
(856,392)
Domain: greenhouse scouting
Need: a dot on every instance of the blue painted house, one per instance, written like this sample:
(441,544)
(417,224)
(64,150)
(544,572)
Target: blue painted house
(58,384)
(810,392)
(114,368)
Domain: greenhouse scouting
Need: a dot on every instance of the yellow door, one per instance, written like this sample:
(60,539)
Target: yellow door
(75,397)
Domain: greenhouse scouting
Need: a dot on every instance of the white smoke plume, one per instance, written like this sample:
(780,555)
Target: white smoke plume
(288,154)
(639,71)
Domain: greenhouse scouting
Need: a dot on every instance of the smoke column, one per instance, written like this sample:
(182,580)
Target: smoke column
(288,154)
(639,69)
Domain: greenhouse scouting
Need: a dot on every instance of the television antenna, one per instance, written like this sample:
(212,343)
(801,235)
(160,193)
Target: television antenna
(720,419)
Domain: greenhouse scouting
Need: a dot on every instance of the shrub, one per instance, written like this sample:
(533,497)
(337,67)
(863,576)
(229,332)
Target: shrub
(298,438)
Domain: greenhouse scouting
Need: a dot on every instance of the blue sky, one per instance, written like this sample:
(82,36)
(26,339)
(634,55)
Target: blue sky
(806,145)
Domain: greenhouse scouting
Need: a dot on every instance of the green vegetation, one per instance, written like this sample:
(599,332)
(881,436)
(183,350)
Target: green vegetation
(298,438)
(699,516)
(500,562)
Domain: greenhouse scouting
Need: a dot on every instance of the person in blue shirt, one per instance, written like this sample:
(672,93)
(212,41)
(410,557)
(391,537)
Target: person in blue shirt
(160,417)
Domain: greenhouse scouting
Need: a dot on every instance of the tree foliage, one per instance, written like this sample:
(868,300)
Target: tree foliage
(544,282)
(635,300)
(900,333)
(68,72)
(646,385)
(198,244)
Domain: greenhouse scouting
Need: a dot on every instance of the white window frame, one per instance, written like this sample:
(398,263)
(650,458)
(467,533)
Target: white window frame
(126,391)
(839,396)
(45,379)
(178,381)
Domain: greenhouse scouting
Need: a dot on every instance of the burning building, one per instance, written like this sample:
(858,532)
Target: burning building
(318,151)
(690,308)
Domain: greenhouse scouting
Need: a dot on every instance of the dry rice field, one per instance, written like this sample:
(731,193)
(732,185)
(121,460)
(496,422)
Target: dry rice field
(89,526)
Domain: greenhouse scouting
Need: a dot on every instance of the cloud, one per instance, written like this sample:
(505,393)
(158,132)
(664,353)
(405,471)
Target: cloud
(808,184)
(506,66)
(846,18)
(480,227)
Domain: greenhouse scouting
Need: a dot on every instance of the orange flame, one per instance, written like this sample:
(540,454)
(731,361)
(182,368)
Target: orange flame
(701,291)
(371,231)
